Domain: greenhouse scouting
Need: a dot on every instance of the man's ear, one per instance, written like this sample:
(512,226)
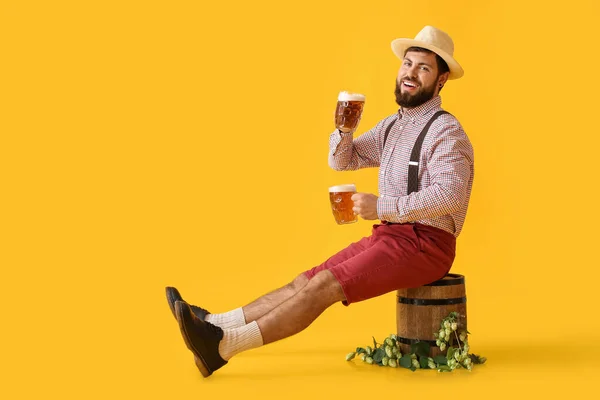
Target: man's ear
(443,79)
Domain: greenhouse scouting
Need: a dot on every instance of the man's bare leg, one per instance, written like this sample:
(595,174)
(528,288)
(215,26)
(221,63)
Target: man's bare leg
(269,301)
(299,311)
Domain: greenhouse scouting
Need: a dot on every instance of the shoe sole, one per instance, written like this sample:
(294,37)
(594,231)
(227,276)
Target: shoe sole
(198,359)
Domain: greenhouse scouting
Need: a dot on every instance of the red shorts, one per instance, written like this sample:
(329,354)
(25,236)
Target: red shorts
(395,256)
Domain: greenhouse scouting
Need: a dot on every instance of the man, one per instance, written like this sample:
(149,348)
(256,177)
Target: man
(425,179)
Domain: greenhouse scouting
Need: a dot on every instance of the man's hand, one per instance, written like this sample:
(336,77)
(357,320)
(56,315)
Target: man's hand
(365,205)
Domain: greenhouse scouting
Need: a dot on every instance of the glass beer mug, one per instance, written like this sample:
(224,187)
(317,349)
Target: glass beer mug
(348,111)
(342,204)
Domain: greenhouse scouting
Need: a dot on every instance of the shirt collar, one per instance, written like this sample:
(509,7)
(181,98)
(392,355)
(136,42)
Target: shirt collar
(420,111)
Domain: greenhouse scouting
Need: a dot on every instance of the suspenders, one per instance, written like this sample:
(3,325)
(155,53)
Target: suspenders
(413,164)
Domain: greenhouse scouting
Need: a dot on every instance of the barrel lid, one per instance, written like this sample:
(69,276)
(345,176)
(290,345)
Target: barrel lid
(449,280)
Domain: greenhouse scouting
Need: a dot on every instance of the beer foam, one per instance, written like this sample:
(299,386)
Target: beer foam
(346,96)
(351,187)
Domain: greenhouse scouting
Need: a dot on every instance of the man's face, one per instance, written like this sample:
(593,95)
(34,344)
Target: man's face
(418,79)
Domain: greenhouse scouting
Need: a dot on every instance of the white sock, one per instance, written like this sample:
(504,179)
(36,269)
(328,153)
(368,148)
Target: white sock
(229,320)
(240,339)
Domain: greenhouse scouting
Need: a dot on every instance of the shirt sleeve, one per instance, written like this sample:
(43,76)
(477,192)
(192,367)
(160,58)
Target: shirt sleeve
(347,154)
(449,163)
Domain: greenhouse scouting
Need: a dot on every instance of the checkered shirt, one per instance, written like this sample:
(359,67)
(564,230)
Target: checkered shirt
(446,166)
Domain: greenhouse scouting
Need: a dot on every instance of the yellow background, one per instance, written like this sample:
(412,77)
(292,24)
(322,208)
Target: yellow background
(146,144)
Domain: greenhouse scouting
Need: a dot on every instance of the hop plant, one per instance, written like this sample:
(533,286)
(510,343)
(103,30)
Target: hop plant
(449,339)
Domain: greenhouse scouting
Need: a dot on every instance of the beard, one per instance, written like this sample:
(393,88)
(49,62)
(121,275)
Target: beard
(408,100)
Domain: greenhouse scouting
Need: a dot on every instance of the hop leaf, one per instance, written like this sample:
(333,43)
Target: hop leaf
(378,355)
(441,360)
(406,361)
(477,359)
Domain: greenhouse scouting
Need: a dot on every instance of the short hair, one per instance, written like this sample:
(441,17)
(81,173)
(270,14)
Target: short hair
(441,64)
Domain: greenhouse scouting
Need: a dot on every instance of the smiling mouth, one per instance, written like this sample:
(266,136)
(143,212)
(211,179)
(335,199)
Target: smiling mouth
(408,85)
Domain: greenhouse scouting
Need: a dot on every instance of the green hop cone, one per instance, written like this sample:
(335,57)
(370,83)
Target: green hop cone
(392,363)
(389,352)
(447,332)
(457,356)
(395,352)
(416,364)
(413,356)
(363,357)
(431,364)
(369,360)
(385,361)
(446,324)
(369,350)
(389,342)
(442,346)
(393,336)
(350,356)
(466,347)
(454,326)
(462,336)
(442,333)
(438,342)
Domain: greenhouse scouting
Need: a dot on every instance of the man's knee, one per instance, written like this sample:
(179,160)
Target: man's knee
(324,283)
(298,283)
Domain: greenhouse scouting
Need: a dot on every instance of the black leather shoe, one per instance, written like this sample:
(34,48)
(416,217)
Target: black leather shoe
(201,337)
(173,296)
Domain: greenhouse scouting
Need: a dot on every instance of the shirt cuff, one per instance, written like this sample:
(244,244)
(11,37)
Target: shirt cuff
(387,209)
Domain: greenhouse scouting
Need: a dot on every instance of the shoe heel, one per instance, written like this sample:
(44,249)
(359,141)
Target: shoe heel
(203,370)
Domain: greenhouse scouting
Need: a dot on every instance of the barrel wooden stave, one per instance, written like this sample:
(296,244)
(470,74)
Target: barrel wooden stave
(419,322)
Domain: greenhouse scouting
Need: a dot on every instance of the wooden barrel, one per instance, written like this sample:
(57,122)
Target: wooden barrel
(419,311)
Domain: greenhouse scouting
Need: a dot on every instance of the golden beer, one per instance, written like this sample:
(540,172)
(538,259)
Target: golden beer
(341,203)
(348,111)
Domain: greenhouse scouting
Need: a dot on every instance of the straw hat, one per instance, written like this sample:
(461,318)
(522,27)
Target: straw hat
(433,39)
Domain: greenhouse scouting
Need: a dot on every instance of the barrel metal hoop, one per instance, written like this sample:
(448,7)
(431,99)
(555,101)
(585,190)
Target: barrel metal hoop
(413,341)
(456,280)
(431,302)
